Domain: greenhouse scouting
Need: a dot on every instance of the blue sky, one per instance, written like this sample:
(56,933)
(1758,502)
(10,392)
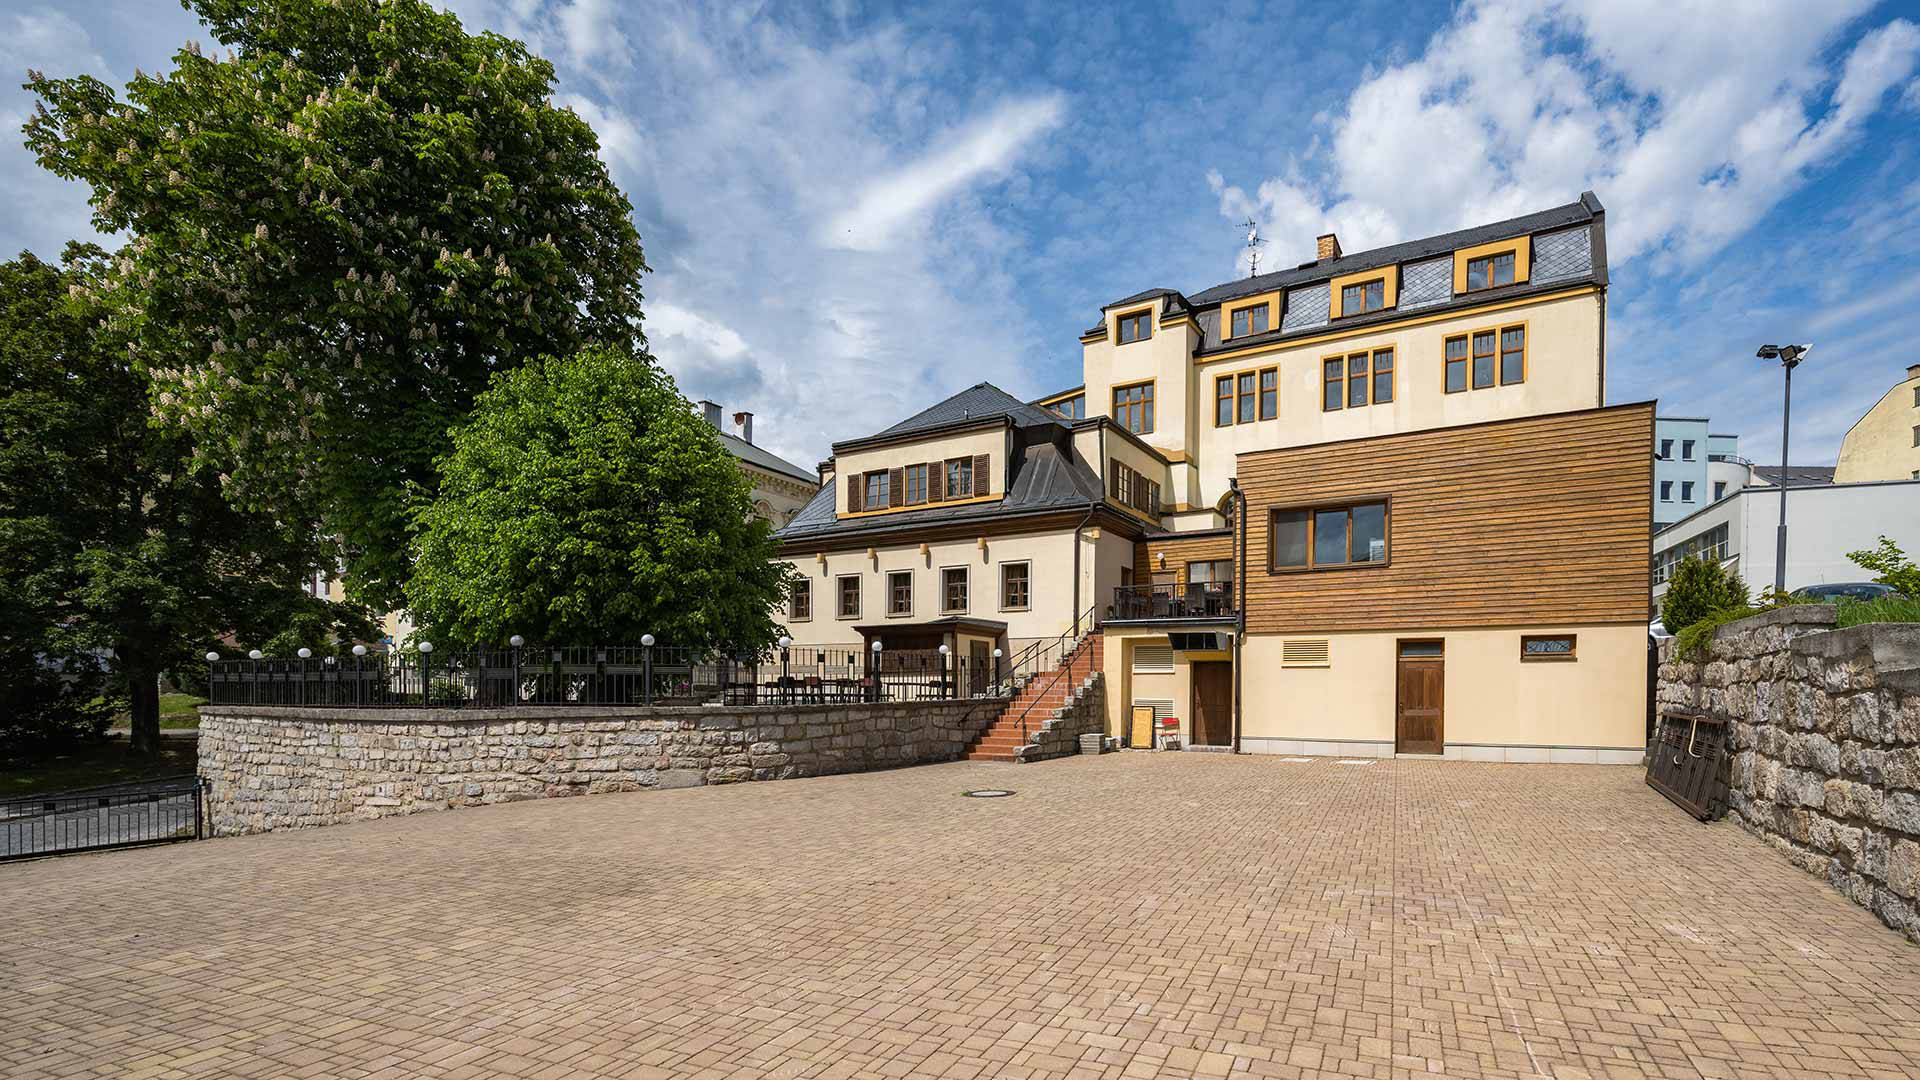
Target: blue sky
(853,210)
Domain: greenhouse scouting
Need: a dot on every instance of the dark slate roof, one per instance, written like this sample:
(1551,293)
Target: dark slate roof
(763,459)
(1796,474)
(1044,479)
(1573,213)
(981,401)
(1145,294)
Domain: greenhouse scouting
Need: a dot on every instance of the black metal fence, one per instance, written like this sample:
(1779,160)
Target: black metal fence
(120,815)
(1200,599)
(1691,762)
(608,675)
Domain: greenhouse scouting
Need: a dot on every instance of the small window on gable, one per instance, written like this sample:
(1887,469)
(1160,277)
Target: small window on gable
(1136,327)
(1250,320)
(1363,296)
(1490,271)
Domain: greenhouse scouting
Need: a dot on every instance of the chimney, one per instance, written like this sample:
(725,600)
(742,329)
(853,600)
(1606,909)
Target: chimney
(744,421)
(1329,248)
(711,409)
(1913,371)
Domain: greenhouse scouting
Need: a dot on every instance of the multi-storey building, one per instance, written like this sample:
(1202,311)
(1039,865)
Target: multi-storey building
(1884,444)
(1691,468)
(780,488)
(1372,503)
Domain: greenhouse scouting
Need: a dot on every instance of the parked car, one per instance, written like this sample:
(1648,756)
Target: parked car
(1844,590)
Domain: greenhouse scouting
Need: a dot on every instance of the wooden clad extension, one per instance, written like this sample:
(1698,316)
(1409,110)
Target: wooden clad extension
(1532,521)
(1179,550)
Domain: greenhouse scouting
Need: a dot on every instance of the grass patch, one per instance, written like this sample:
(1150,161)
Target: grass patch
(1885,609)
(104,762)
(180,710)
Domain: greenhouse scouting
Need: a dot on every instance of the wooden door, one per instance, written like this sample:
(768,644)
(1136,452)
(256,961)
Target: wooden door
(1212,703)
(1418,709)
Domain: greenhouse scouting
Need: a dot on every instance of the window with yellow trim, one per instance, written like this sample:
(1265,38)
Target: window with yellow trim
(1253,319)
(1136,327)
(1133,407)
(1484,358)
(1357,380)
(1269,393)
(1245,391)
(1223,401)
(1363,296)
(1490,271)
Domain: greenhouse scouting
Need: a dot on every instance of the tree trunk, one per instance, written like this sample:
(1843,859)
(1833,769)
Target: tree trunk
(143,692)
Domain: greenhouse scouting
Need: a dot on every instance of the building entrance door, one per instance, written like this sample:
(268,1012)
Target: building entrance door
(1418,705)
(1212,703)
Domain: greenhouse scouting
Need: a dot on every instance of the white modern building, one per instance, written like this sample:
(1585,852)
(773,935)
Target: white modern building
(1824,522)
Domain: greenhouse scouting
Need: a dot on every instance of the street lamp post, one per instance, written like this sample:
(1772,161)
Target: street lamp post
(1789,357)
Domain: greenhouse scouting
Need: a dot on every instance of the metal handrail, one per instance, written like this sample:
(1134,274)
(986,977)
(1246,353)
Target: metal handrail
(1093,623)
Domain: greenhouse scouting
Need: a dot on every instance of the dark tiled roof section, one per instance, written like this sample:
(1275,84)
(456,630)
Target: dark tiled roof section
(773,463)
(1045,479)
(1573,213)
(1796,474)
(977,402)
(1147,294)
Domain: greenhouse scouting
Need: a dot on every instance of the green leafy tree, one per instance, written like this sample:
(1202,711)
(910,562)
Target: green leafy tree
(113,543)
(1699,588)
(1891,567)
(584,502)
(341,229)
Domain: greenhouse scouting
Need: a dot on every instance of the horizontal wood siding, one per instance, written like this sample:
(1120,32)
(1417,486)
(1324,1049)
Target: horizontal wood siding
(1179,552)
(1541,520)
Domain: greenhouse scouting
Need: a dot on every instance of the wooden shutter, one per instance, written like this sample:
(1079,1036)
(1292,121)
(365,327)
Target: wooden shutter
(854,494)
(896,487)
(936,480)
(981,484)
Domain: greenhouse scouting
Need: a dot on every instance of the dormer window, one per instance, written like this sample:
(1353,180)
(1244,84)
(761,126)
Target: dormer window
(1250,320)
(1363,296)
(1136,327)
(1490,271)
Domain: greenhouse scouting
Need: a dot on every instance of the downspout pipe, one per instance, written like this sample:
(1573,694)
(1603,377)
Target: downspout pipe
(1240,606)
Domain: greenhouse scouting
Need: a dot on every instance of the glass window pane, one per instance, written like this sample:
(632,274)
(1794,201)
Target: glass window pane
(1513,366)
(1260,319)
(1290,538)
(1332,368)
(1357,364)
(1240,322)
(1503,269)
(1246,398)
(1382,387)
(1456,375)
(1370,533)
(1376,295)
(1456,348)
(1329,537)
(1269,395)
(1357,391)
(1476,273)
(1332,398)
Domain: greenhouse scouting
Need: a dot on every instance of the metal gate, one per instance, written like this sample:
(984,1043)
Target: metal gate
(1691,763)
(119,815)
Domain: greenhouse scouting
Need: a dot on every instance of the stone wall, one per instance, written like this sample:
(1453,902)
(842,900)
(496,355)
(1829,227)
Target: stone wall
(279,767)
(1059,735)
(1826,735)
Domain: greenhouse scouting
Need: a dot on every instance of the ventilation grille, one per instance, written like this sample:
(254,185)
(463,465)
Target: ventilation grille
(1305,652)
(1153,660)
(1161,709)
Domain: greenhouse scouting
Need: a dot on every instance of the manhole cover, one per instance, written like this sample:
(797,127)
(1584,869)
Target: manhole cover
(987,793)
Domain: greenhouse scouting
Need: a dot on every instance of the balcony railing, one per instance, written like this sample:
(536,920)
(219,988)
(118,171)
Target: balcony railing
(1199,600)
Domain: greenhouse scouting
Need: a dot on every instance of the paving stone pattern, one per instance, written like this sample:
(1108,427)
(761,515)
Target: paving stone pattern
(1825,727)
(1127,915)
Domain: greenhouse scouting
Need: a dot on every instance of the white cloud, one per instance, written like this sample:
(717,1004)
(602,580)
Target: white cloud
(890,203)
(1683,133)
(590,31)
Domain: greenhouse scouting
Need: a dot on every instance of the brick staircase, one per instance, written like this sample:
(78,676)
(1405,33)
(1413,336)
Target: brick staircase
(1045,694)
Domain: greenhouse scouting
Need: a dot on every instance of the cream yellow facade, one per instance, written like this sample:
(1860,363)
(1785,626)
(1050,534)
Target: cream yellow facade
(1409,301)
(1884,444)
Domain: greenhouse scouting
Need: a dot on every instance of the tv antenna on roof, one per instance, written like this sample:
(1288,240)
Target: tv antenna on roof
(1254,240)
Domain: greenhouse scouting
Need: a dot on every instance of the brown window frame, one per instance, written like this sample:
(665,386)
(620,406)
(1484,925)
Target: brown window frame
(867,489)
(1265,307)
(907,497)
(964,465)
(1362,308)
(1572,653)
(800,595)
(1342,383)
(1141,323)
(1246,397)
(840,596)
(1495,359)
(1385,502)
(892,611)
(966,587)
(1223,400)
(1026,585)
(1512,255)
(1228,563)
(1269,391)
(1140,408)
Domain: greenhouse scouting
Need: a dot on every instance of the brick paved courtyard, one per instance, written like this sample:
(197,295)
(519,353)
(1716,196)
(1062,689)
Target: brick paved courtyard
(1126,916)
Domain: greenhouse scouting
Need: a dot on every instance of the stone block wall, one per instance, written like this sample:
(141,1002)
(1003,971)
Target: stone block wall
(282,767)
(1825,726)
(1085,712)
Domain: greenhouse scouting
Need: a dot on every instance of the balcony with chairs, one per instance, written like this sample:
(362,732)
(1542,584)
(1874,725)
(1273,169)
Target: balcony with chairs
(1200,600)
